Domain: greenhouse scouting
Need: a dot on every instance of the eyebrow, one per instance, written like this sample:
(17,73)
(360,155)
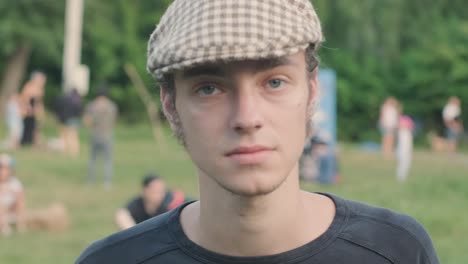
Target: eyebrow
(211,70)
(266,64)
(218,70)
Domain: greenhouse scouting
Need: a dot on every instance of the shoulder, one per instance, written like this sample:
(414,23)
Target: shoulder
(111,104)
(114,105)
(361,213)
(131,245)
(135,205)
(138,200)
(396,236)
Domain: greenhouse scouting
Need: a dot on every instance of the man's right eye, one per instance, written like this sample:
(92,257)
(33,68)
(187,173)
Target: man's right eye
(207,90)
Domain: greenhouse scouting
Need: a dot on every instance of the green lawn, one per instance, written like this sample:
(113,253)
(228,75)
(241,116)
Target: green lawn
(436,193)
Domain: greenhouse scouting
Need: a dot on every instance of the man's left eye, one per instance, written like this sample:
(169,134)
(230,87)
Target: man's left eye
(275,83)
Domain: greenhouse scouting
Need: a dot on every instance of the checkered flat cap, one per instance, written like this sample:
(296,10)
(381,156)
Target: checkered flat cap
(194,32)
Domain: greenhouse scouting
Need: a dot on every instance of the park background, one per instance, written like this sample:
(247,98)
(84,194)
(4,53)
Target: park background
(415,50)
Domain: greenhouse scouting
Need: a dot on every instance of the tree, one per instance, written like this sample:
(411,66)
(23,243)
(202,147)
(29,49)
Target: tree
(116,33)
(24,29)
(414,50)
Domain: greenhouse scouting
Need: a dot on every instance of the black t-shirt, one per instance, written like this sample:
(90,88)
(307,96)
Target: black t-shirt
(137,210)
(359,233)
(67,107)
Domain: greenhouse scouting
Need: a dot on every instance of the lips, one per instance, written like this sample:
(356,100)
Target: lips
(249,155)
(248,150)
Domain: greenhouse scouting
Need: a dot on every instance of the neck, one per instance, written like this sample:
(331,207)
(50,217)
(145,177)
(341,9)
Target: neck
(253,226)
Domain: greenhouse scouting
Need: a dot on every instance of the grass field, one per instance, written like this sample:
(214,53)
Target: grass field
(436,193)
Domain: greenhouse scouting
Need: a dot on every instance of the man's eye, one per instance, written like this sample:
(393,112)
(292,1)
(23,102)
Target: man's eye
(275,83)
(207,90)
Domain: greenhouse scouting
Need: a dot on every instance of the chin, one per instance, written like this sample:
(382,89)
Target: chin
(251,187)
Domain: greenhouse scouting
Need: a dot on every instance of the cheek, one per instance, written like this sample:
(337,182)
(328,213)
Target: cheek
(154,196)
(296,125)
(292,114)
(202,126)
(291,121)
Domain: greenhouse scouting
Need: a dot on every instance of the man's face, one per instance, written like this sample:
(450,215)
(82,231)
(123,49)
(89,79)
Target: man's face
(40,79)
(154,192)
(244,123)
(455,101)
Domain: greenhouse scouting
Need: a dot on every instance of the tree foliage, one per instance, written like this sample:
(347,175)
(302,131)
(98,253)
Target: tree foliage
(116,33)
(39,23)
(28,27)
(415,50)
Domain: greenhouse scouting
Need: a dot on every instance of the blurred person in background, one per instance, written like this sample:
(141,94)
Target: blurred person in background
(319,162)
(12,198)
(451,115)
(68,108)
(14,122)
(32,108)
(100,116)
(404,151)
(238,91)
(13,211)
(155,199)
(388,124)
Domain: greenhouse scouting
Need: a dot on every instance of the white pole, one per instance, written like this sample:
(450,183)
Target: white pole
(72,45)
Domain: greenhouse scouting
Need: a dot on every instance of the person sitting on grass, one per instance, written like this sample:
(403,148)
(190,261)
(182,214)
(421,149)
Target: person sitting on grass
(154,200)
(12,199)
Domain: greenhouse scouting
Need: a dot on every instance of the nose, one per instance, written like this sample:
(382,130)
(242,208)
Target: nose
(247,116)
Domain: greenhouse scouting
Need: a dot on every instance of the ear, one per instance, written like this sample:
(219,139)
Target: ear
(170,111)
(168,105)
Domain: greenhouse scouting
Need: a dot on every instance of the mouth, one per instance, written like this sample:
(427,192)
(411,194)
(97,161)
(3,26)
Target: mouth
(249,155)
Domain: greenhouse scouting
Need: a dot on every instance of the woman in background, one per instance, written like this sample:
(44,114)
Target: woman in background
(388,124)
(32,107)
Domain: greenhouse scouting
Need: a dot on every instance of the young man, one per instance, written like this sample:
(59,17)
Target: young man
(68,108)
(100,116)
(239,83)
(154,200)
